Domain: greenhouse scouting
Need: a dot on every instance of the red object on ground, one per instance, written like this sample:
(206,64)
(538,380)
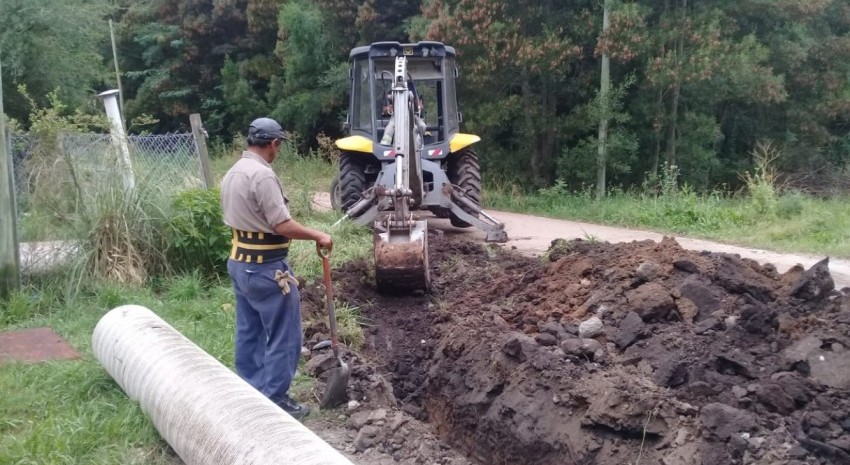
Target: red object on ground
(34,345)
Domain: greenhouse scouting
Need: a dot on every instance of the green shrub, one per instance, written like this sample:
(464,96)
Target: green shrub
(198,239)
(16,308)
(790,204)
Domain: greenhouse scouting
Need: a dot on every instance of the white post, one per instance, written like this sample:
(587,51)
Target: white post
(117,70)
(119,138)
(10,260)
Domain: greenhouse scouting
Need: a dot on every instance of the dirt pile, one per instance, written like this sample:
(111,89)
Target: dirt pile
(611,354)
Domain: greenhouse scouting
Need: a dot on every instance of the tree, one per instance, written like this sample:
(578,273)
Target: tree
(176,52)
(49,45)
(520,54)
(695,63)
(807,40)
(311,91)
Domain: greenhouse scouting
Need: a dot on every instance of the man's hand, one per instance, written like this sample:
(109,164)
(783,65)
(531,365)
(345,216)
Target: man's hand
(324,241)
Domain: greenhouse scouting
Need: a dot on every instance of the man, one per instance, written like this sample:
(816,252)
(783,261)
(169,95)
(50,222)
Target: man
(268,314)
(387,111)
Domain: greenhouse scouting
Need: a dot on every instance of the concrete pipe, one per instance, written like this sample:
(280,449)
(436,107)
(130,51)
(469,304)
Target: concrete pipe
(202,409)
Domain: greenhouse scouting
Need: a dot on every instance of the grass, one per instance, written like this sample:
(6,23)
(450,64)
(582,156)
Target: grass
(72,412)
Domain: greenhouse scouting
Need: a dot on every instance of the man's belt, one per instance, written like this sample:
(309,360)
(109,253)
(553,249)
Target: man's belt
(258,247)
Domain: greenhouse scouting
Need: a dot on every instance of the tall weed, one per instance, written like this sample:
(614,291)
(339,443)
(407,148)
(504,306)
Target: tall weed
(17,307)
(762,182)
(123,241)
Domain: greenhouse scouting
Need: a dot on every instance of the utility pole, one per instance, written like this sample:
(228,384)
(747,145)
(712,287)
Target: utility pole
(10,277)
(604,110)
(117,73)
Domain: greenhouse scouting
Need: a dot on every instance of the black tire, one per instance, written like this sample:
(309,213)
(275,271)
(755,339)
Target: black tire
(352,179)
(336,194)
(464,172)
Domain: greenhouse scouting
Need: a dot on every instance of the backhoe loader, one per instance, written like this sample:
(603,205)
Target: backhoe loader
(405,155)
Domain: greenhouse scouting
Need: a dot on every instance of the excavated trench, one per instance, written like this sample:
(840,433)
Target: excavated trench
(602,354)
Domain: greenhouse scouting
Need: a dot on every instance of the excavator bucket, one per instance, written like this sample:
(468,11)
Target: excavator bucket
(401,259)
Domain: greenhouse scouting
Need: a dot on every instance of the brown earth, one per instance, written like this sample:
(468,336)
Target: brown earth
(628,353)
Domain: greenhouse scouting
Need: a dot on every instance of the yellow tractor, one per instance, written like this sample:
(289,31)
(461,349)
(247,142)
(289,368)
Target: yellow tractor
(405,155)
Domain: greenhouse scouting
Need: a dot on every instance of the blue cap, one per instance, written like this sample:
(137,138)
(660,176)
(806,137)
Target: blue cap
(266,129)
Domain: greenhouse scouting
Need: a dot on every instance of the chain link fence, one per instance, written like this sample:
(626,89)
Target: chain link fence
(58,182)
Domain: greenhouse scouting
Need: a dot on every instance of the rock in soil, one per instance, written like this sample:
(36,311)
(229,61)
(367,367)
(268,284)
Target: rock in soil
(601,354)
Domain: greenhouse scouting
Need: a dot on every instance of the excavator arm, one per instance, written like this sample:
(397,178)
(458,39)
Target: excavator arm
(401,239)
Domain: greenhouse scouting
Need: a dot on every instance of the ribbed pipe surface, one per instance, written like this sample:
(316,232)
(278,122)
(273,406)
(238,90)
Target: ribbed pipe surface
(202,409)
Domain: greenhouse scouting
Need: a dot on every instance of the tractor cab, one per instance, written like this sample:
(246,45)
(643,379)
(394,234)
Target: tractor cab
(404,154)
(431,77)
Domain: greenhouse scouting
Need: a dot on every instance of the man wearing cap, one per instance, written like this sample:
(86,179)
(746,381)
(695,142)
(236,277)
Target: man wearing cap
(268,314)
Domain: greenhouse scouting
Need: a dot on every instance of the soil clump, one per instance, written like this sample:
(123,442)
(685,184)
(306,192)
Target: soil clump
(598,354)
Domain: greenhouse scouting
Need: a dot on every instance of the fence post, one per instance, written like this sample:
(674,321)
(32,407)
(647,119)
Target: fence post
(201,143)
(119,138)
(10,261)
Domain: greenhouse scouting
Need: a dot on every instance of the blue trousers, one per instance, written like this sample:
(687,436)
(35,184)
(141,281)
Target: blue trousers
(268,327)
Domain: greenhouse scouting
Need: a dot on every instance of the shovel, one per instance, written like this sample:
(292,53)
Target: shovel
(335,393)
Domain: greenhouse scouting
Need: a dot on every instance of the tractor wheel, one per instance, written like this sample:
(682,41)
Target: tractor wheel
(352,179)
(464,172)
(336,194)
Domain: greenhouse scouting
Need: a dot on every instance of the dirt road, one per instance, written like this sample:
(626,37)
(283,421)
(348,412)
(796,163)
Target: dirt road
(533,234)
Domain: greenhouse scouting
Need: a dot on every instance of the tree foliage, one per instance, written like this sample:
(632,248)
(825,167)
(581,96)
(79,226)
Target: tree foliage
(52,45)
(531,57)
(314,80)
(698,83)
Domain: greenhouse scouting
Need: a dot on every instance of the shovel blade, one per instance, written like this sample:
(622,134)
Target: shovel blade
(336,390)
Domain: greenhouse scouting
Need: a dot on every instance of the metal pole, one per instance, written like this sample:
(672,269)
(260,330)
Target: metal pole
(10,277)
(117,73)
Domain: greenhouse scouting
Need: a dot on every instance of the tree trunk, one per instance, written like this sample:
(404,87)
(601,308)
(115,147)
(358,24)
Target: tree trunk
(604,90)
(657,126)
(677,88)
(671,129)
(548,148)
(537,162)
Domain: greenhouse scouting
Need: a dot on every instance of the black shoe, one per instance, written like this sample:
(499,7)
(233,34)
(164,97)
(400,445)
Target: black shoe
(298,411)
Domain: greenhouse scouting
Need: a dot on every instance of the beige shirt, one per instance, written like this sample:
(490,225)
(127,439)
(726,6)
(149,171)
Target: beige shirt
(252,197)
